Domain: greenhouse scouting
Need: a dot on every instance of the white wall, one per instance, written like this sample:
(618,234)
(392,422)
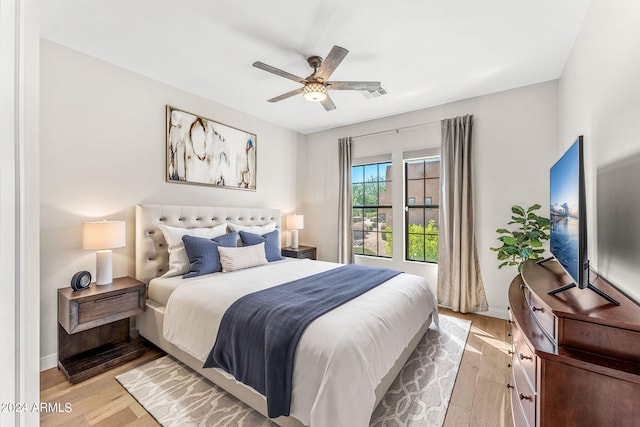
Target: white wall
(103,152)
(599,97)
(515,144)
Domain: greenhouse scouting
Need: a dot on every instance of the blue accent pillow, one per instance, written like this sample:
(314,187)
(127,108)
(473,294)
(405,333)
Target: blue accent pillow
(271,243)
(203,253)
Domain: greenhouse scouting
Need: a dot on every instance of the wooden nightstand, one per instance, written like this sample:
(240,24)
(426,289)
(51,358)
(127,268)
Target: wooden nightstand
(93,327)
(300,252)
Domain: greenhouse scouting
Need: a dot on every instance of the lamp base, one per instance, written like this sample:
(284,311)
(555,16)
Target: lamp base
(104,267)
(294,239)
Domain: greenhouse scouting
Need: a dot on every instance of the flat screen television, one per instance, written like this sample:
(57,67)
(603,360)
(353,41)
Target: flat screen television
(568,215)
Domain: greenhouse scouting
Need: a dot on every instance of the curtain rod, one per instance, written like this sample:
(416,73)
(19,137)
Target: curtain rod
(396,130)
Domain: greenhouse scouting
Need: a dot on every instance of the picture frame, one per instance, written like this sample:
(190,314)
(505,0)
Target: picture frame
(203,151)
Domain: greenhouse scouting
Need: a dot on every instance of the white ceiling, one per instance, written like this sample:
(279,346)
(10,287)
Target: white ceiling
(425,52)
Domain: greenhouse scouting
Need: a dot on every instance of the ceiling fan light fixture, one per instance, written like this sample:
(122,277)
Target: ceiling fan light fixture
(314,92)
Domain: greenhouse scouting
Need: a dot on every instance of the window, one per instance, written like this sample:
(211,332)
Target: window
(372,213)
(422,183)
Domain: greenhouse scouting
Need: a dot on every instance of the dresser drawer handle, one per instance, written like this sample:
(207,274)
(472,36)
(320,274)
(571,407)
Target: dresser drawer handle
(509,386)
(523,286)
(523,357)
(510,352)
(537,308)
(525,397)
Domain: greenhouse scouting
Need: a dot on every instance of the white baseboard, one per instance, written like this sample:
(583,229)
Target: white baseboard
(500,313)
(48,362)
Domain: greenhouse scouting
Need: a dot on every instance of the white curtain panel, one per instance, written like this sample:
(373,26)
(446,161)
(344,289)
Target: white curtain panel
(459,281)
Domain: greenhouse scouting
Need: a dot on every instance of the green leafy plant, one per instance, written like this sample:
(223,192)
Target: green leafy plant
(422,244)
(526,240)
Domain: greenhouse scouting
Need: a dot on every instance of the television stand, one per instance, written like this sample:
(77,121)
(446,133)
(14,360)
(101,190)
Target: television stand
(589,286)
(543,260)
(573,285)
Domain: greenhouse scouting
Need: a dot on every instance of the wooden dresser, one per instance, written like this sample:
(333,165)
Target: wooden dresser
(576,357)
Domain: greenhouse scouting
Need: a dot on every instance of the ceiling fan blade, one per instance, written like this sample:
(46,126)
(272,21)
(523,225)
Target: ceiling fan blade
(370,86)
(278,72)
(331,62)
(328,104)
(286,95)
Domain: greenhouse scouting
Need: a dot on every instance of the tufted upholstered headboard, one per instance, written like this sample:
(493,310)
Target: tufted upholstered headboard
(152,258)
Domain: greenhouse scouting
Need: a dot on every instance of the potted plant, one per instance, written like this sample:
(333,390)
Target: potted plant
(525,240)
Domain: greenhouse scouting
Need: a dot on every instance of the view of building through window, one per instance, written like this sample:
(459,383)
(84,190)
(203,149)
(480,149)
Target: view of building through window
(372,216)
(422,187)
(372,213)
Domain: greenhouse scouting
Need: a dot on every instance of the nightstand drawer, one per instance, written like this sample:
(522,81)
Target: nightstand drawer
(302,252)
(100,305)
(111,306)
(307,255)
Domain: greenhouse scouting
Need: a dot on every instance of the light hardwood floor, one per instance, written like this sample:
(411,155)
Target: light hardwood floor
(480,396)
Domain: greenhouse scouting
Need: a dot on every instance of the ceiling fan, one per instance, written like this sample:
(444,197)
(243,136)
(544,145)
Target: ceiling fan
(315,86)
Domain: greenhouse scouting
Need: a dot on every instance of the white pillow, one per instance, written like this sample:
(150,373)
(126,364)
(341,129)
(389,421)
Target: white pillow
(178,259)
(255,229)
(233,259)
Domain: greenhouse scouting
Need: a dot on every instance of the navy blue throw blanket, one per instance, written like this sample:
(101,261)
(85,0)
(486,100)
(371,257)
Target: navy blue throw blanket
(259,333)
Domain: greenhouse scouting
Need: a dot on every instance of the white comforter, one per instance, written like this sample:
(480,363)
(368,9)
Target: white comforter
(341,356)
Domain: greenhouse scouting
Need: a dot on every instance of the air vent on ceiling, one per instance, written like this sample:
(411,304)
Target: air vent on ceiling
(373,93)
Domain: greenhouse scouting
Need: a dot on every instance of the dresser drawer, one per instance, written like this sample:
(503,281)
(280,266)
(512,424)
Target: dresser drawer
(523,398)
(545,318)
(519,417)
(524,356)
(99,308)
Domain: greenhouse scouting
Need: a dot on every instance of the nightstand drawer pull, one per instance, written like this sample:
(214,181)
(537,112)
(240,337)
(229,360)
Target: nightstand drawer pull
(537,308)
(525,397)
(523,357)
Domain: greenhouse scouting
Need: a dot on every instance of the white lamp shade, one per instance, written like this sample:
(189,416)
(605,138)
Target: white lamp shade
(103,235)
(295,222)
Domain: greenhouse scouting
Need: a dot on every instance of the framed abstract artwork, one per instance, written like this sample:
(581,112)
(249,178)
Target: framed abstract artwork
(202,151)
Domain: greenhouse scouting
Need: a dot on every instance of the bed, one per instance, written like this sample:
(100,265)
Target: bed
(340,373)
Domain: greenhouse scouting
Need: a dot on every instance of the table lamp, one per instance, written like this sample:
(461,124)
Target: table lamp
(295,223)
(102,236)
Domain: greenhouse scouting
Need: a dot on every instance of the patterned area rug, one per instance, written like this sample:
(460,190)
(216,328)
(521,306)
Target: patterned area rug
(177,396)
